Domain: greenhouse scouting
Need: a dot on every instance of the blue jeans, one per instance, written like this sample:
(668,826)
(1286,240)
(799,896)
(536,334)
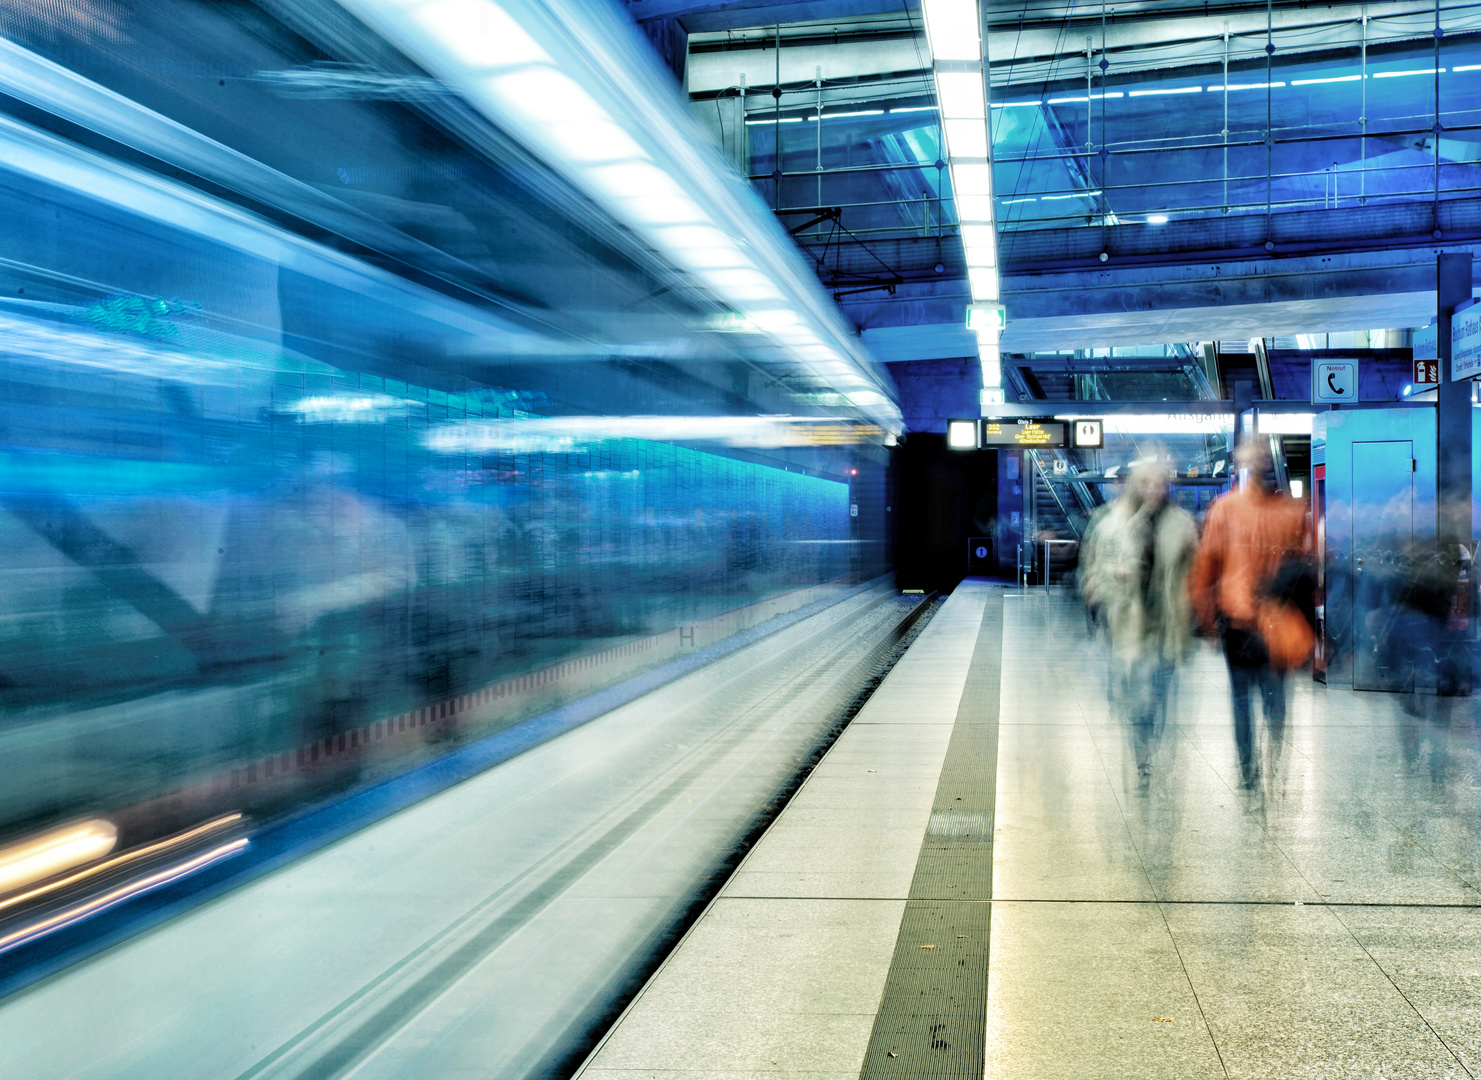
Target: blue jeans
(1148,685)
(1249,668)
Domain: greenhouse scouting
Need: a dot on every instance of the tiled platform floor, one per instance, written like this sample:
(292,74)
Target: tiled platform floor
(784,973)
(1323,924)
(1326,923)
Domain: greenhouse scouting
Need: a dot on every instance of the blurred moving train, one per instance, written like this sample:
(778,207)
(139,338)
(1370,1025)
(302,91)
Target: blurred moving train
(350,410)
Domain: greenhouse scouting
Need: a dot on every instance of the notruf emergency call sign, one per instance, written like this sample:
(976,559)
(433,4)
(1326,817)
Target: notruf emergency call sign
(1334,381)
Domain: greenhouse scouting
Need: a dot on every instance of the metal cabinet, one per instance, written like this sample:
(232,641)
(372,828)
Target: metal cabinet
(1376,514)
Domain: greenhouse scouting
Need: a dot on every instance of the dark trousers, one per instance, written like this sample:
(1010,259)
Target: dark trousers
(1249,668)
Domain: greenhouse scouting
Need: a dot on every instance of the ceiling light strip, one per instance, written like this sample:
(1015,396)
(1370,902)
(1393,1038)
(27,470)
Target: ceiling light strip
(954,33)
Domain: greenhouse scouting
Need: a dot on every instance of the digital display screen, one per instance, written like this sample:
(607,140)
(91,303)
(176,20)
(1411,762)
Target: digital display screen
(1031,433)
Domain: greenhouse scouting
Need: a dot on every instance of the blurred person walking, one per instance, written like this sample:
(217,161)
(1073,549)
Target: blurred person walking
(1136,578)
(1249,563)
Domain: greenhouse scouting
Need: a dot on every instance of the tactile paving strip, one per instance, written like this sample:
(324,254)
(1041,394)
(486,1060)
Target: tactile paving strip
(932,1019)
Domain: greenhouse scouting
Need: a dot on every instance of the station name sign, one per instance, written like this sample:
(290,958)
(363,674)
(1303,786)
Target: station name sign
(1465,343)
(1029,433)
(1427,343)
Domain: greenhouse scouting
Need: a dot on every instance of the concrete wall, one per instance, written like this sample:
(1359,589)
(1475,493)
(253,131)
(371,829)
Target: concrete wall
(934,391)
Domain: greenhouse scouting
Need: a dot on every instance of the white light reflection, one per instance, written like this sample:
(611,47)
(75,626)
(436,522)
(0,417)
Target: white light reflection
(569,434)
(572,95)
(1274,423)
(348,408)
(1170,423)
(50,853)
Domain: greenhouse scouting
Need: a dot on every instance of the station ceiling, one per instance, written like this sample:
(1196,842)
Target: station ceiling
(1192,171)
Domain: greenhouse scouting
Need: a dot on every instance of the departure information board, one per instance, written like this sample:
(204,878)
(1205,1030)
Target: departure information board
(1030,433)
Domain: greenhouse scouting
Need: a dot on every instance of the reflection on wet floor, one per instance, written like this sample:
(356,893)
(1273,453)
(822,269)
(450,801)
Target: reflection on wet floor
(1322,920)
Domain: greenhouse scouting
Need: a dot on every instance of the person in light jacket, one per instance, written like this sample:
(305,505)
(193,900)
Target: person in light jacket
(1137,579)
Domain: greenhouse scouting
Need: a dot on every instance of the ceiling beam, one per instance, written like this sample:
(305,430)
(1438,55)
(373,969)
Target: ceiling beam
(1374,227)
(1219,322)
(1291,28)
(702,16)
(1034,56)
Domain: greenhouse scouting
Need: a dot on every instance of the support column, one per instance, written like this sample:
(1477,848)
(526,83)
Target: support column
(1243,393)
(1453,409)
(1453,527)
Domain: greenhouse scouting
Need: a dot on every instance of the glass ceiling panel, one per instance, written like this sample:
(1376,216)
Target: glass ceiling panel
(879,163)
(1264,135)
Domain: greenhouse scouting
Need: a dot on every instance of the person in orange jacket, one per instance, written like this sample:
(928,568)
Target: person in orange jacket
(1246,536)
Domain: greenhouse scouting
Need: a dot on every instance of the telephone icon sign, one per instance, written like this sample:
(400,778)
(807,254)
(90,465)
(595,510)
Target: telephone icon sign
(1334,380)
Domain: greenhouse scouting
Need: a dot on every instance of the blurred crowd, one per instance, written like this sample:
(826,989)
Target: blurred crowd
(1152,583)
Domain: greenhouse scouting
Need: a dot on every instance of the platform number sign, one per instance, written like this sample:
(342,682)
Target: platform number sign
(1090,434)
(1427,372)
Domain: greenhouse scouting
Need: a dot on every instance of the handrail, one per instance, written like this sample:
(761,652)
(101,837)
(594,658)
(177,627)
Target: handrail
(1054,494)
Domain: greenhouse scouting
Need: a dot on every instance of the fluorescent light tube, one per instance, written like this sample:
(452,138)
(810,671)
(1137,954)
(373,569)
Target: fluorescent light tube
(971,178)
(952,29)
(959,93)
(981,258)
(966,138)
(983,282)
(974,208)
(981,237)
